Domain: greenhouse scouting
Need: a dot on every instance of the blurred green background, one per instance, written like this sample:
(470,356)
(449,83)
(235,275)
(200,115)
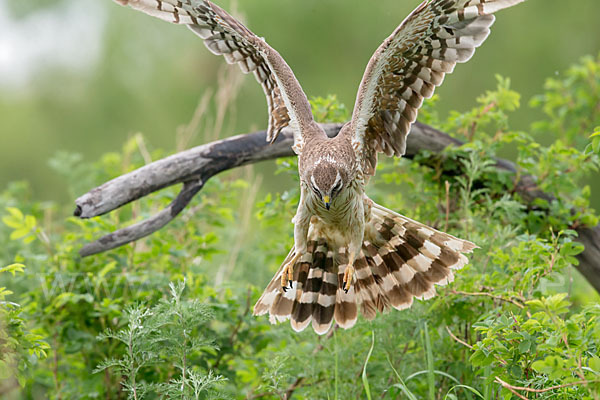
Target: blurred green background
(84,75)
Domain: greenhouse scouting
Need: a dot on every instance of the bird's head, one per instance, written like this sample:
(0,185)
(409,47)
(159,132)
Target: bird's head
(327,180)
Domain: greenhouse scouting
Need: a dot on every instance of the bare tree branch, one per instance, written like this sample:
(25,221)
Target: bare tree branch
(146,227)
(194,167)
(203,162)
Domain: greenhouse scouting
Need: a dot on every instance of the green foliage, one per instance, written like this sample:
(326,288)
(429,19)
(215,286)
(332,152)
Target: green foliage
(491,114)
(149,320)
(329,109)
(166,335)
(24,227)
(19,346)
(594,146)
(571,102)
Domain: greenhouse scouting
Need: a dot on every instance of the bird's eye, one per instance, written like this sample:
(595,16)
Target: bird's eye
(314,189)
(337,187)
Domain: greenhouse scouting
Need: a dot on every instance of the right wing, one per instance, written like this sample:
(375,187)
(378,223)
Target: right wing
(408,66)
(224,35)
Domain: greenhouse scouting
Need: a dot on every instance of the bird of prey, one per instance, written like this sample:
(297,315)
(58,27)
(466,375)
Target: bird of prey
(350,253)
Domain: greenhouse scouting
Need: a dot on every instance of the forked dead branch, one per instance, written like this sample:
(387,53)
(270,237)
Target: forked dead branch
(194,167)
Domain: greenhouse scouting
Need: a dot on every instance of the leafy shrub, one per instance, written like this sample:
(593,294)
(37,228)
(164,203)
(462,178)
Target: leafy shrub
(148,320)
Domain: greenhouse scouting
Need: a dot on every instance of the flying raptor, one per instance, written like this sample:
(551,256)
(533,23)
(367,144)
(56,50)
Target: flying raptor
(350,252)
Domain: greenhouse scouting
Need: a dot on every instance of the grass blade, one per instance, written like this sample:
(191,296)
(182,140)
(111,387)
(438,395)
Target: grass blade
(336,363)
(401,385)
(487,388)
(405,390)
(429,355)
(437,372)
(364,373)
(469,388)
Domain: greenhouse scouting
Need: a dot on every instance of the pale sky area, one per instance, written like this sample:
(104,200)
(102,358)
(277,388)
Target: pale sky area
(65,36)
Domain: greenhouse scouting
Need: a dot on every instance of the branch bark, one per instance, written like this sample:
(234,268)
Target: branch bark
(194,167)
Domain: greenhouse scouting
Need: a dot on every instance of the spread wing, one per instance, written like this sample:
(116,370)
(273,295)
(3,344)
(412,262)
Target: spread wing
(224,35)
(408,66)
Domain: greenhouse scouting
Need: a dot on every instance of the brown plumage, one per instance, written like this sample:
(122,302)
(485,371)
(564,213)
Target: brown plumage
(400,260)
(350,253)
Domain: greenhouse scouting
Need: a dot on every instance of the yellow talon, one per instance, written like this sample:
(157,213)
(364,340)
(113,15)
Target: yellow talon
(348,275)
(287,275)
(284,275)
(349,272)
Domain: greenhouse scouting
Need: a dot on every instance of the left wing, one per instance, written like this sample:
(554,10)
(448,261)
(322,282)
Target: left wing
(408,66)
(226,36)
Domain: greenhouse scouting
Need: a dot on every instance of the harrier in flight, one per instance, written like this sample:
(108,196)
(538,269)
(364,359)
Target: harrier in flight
(350,252)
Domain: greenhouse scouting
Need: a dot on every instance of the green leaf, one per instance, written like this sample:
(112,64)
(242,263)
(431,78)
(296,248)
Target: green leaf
(524,346)
(15,213)
(29,239)
(594,363)
(13,268)
(30,221)
(596,144)
(535,304)
(109,267)
(553,366)
(11,222)
(572,249)
(558,304)
(63,299)
(19,233)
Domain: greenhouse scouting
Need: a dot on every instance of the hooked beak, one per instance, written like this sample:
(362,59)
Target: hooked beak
(327,201)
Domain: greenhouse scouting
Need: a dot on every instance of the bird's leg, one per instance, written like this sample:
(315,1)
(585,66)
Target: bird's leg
(357,227)
(301,224)
(287,275)
(349,272)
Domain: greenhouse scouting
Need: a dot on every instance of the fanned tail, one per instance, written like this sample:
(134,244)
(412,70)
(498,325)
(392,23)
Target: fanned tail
(400,260)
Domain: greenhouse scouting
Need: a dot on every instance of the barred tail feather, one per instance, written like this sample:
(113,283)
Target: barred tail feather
(324,308)
(400,260)
(346,304)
